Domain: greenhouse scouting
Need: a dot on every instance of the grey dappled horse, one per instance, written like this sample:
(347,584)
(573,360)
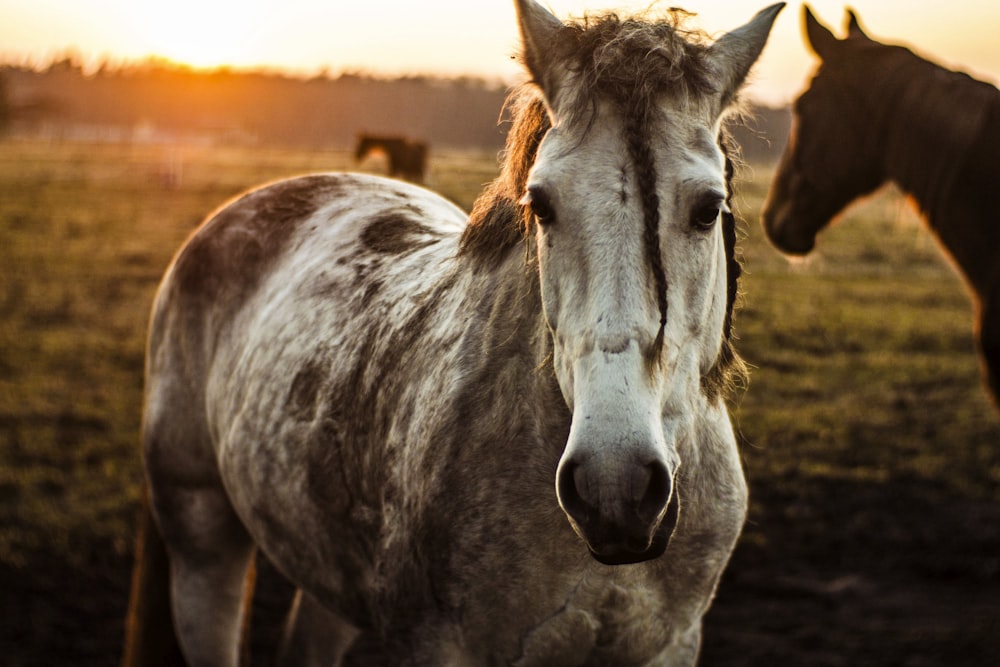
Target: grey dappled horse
(468,440)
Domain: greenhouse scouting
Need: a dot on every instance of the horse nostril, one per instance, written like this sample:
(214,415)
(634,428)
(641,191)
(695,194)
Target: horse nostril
(570,496)
(625,516)
(657,491)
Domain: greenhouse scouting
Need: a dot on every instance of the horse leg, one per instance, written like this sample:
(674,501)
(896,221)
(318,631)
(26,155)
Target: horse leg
(989,345)
(208,548)
(210,556)
(314,636)
(150,638)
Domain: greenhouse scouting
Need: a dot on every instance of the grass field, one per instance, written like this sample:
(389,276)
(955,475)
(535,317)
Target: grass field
(871,449)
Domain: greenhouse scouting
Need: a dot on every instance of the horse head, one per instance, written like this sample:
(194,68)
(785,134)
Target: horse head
(627,193)
(833,154)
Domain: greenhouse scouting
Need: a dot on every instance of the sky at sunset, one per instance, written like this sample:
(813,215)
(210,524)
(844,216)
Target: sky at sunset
(448,37)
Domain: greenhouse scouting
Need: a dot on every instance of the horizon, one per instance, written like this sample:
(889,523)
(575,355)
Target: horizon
(377,38)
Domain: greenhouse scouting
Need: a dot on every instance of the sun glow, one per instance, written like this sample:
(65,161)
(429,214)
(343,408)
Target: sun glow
(446,37)
(202,34)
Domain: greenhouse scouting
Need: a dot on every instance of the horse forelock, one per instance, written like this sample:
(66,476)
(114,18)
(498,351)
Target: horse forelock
(633,61)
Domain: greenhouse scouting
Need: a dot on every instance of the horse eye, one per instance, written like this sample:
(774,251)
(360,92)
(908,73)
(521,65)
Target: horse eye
(541,205)
(706,212)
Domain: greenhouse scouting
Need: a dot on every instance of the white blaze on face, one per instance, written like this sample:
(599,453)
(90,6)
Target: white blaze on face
(598,290)
(600,301)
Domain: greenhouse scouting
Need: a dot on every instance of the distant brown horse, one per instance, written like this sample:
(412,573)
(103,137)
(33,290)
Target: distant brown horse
(407,158)
(876,113)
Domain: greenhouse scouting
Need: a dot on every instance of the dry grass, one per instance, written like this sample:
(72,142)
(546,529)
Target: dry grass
(871,449)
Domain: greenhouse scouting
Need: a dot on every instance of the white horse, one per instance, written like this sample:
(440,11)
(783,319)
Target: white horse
(496,439)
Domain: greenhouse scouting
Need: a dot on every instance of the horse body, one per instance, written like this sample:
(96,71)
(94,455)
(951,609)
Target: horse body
(326,466)
(876,113)
(378,395)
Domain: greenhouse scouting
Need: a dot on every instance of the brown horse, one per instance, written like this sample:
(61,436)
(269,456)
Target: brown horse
(876,113)
(407,158)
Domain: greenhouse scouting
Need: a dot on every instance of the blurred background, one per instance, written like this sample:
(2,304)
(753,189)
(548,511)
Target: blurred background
(871,448)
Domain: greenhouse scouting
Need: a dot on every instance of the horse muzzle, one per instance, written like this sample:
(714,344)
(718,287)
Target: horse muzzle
(629,521)
(794,213)
(783,233)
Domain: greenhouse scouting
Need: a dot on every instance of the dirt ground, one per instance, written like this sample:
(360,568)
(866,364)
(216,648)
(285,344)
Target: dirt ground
(922,591)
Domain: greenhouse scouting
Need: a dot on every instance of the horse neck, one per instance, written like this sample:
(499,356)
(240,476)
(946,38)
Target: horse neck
(929,124)
(507,298)
(933,121)
(497,251)
(509,378)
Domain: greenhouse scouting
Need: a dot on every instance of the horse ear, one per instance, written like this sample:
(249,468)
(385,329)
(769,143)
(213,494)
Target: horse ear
(819,38)
(854,26)
(734,53)
(538,33)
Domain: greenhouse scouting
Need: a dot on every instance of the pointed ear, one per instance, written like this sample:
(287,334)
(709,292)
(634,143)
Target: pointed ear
(538,33)
(854,26)
(819,38)
(734,53)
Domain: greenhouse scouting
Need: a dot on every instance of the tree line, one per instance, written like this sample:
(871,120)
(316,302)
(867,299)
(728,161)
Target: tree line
(263,107)
(158,99)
